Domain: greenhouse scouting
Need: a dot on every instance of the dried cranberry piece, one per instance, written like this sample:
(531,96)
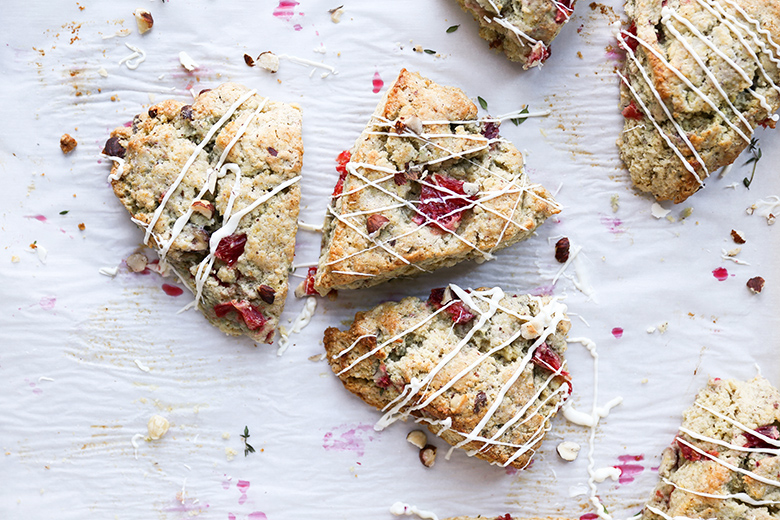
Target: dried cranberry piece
(152,112)
(272,151)
(457,310)
(769,430)
(400,178)
(546,358)
(186,112)
(308,284)
(230,248)
(443,208)
(767,123)
(114,148)
(539,54)
(436,297)
(687,452)
(381,378)
(490,130)
(564,10)
(631,41)
(504,517)
(479,402)
(342,160)
(251,315)
(632,112)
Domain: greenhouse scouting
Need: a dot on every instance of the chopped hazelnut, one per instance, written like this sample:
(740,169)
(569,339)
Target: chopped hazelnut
(67,143)
(335,14)
(562,250)
(136,262)
(414,124)
(428,455)
(376,223)
(249,60)
(269,61)
(738,236)
(756,284)
(82,227)
(568,450)
(157,427)
(418,438)
(267,294)
(203,207)
(143,19)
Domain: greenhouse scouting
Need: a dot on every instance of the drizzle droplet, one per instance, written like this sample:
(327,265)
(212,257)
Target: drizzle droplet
(378,83)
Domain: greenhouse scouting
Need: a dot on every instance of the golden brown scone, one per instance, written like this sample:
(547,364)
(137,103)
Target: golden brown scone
(506,516)
(428,185)
(482,369)
(699,76)
(221,212)
(724,462)
(521,29)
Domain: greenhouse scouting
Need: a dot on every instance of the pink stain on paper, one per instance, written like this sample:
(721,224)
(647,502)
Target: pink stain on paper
(47,303)
(35,389)
(255,515)
(629,471)
(243,487)
(39,218)
(617,332)
(378,83)
(721,274)
(286,10)
(344,438)
(613,225)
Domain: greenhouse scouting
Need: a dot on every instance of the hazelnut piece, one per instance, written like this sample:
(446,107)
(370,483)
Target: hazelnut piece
(418,438)
(67,143)
(203,207)
(376,223)
(143,20)
(428,455)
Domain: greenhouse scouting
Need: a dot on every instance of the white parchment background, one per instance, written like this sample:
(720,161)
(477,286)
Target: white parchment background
(72,397)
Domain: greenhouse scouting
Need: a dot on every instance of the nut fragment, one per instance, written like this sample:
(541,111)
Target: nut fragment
(203,207)
(562,250)
(267,294)
(335,14)
(470,188)
(249,60)
(428,455)
(114,148)
(136,262)
(67,143)
(143,19)
(413,123)
(187,62)
(756,284)
(568,450)
(738,236)
(157,427)
(269,61)
(376,223)
(418,438)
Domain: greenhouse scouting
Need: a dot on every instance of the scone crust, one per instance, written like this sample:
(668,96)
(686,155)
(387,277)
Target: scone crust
(352,258)
(653,164)
(156,148)
(521,29)
(378,371)
(686,474)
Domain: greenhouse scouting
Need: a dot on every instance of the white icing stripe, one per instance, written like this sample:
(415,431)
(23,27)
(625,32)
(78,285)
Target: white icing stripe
(172,188)
(303,319)
(742,497)
(727,465)
(739,425)
(757,25)
(700,437)
(507,25)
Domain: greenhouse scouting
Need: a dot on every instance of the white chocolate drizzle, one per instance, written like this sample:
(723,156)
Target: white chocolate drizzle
(303,319)
(138,55)
(401,509)
(485,304)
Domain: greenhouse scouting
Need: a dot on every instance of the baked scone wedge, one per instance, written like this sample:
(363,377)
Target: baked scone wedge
(215,187)
(699,76)
(725,460)
(506,516)
(521,29)
(482,369)
(427,185)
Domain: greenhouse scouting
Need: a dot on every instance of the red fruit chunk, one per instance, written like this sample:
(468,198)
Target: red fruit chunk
(172,290)
(630,37)
(490,130)
(769,430)
(688,452)
(308,284)
(230,248)
(342,160)
(443,206)
(381,378)
(546,358)
(539,54)
(632,112)
(504,517)
(564,10)
(457,310)
(251,315)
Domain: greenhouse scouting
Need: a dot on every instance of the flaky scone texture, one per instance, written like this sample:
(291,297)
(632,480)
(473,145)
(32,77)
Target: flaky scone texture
(724,462)
(223,212)
(506,516)
(521,29)
(482,369)
(699,76)
(427,185)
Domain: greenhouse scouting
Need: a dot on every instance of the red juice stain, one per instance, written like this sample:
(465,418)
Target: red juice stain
(257,515)
(39,218)
(720,273)
(172,290)
(617,332)
(285,10)
(589,516)
(378,83)
(627,470)
(243,486)
(231,516)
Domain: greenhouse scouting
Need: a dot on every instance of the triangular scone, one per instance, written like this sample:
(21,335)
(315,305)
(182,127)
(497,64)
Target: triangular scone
(725,461)
(506,516)
(427,186)
(482,369)
(522,29)
(215,187)
(699,76)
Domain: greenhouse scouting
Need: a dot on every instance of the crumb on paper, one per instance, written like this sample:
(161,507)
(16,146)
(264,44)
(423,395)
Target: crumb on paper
(226,435)
(738,236)
(15,259)
(109,271)
(269,61)
(687,212)
(317,357)
(614,201)
(82,227)
(102,72)
(336,13)
(187,62)
(658,211)
(663,327)
(418,48)
(568,450)
(141,366)
(157,427)
(67,143)
(144,20)
(230,454)
(644,381)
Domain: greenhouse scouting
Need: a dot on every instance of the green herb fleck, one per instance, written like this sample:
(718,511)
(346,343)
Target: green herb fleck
(247,447)
(452,28)
(64,212)
(756,151)
(482,102)
(520,120)
(429,51)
